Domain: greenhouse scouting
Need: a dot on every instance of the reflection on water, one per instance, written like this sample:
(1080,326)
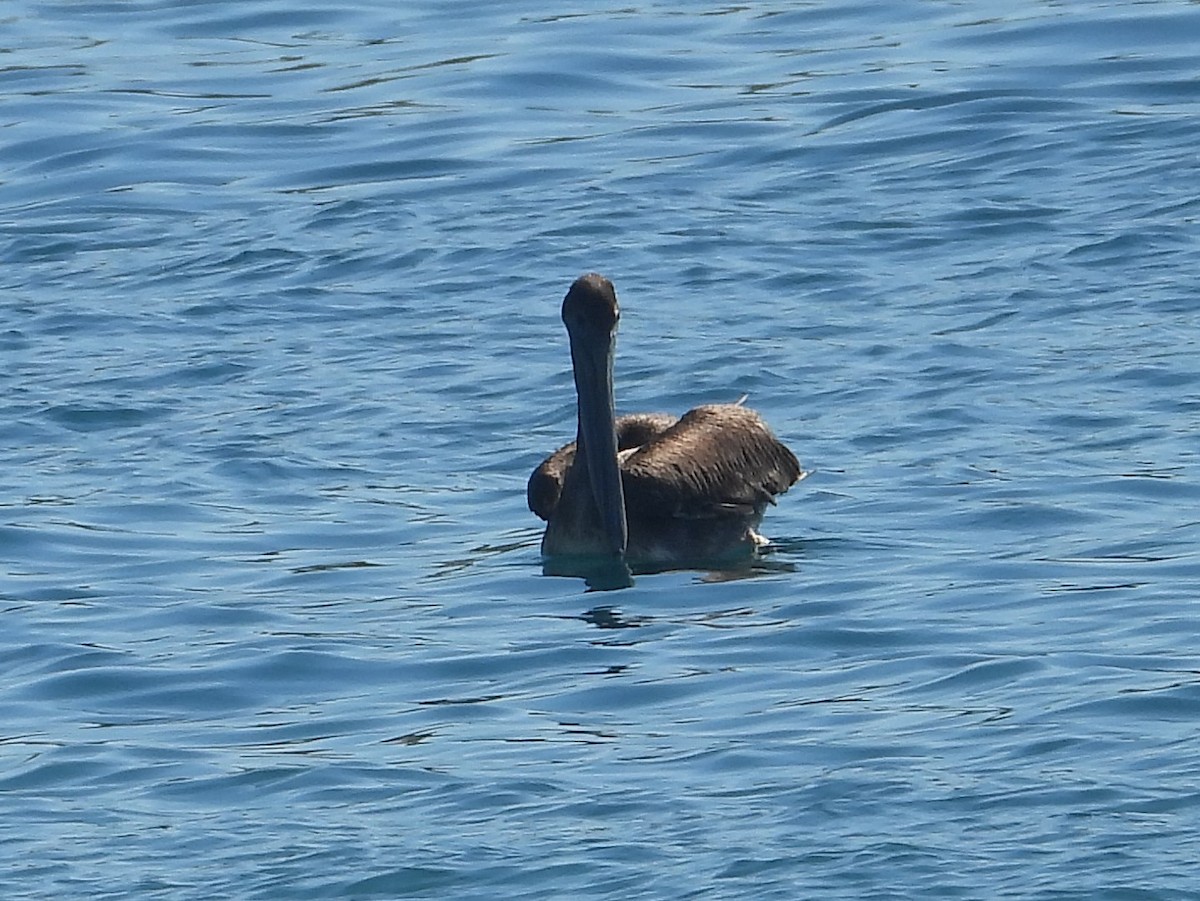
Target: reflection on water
(610,618)
(608,574)
(598,573)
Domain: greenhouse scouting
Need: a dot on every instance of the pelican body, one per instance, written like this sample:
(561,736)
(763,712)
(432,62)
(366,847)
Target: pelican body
(649,488)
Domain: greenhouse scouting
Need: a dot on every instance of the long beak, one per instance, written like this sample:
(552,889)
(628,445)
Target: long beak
(597,438)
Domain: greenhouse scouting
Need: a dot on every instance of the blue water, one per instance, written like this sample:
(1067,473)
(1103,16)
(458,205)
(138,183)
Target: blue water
(280,345)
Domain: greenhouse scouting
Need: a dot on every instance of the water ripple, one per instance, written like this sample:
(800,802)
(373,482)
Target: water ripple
(282,343)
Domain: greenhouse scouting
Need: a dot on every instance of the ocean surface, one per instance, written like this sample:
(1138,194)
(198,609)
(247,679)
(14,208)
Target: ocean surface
(280,344)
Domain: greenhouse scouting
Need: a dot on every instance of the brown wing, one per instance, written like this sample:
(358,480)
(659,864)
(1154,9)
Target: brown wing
(716,460)
(545,484)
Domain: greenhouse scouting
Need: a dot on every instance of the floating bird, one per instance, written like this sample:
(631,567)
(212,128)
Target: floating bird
(649,488)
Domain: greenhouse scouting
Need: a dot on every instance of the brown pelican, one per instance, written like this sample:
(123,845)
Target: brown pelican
(651,488)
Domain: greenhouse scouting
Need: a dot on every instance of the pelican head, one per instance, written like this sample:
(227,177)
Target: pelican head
(590,313)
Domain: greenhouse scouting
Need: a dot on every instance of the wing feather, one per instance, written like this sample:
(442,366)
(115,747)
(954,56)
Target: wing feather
(545,483)
(716,460)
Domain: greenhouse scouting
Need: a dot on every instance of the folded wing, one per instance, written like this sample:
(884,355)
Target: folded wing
(718,460)
(545,484)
